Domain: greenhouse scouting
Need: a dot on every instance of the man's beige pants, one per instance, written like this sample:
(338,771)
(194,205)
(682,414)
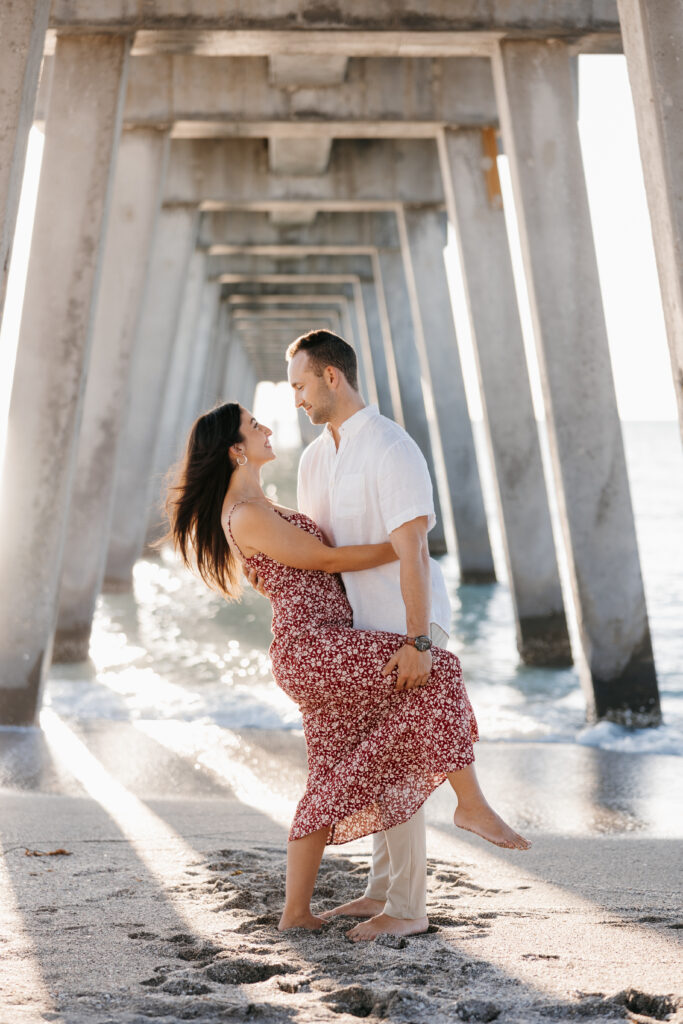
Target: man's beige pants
(398,875)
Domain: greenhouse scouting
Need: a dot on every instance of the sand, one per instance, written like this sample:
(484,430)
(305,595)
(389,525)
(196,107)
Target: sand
(164,904)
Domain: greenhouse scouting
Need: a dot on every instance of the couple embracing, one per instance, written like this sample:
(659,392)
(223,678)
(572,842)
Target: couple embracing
(360,623)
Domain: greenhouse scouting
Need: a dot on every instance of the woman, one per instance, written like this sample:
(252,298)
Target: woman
(374,753)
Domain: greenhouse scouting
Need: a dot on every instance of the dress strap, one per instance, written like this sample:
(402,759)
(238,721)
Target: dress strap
(227,523)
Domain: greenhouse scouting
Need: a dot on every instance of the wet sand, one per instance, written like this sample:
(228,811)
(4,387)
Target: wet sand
(165,902)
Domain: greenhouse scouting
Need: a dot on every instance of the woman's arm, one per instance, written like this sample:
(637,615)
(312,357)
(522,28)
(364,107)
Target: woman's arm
(256,528)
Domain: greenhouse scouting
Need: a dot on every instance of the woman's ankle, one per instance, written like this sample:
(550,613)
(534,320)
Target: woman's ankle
(473,805)
(296,912)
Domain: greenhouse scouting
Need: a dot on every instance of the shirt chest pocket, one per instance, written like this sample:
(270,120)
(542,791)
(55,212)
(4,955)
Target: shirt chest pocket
(349,495)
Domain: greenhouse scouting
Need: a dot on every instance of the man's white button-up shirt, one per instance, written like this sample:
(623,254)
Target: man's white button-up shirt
(376,481)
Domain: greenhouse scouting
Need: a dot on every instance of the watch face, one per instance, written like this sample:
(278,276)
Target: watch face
(423,643)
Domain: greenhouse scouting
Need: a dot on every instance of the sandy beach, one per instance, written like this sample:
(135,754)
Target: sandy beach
(164,901)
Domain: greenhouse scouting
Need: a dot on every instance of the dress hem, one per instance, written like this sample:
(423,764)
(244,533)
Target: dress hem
(400,818)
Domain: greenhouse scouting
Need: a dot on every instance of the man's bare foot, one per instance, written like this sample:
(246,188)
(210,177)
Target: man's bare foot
(382,924)
(486,823)
(362,907)
(309,921)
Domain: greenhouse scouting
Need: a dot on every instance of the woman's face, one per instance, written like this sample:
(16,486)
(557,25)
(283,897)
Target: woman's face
(256,443)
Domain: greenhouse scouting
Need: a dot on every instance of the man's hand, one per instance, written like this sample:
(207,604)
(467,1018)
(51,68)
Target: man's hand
(254,579)
(413,667)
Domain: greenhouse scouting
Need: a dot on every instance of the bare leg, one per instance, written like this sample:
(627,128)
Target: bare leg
(475,814)
(303,860)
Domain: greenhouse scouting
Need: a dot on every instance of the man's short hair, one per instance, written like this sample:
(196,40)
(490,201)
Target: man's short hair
(327,349)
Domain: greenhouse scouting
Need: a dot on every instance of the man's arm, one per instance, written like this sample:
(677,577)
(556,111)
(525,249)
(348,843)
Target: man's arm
(410,544)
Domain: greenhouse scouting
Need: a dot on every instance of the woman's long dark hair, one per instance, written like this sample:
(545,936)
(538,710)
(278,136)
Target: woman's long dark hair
(194,503)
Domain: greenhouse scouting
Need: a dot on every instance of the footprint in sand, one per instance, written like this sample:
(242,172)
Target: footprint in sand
(262,921)
(185,987)
(154,982)
(657,1007)
(245,972)
(201,954)
(477,1009)
(239,901)
(361,1001)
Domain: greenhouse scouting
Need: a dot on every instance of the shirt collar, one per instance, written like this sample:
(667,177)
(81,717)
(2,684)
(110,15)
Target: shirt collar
(353,424)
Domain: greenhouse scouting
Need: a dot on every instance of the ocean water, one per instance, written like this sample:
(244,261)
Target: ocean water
(174,651)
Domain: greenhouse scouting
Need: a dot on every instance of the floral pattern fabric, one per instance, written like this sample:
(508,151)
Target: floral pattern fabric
(374,754)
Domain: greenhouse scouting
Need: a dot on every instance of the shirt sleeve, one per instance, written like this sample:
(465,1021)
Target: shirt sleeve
(405,487)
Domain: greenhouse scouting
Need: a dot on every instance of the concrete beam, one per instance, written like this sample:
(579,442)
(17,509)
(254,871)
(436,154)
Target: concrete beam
(290,71)
(348,27)
(22,39)
(653,42)
(291,318)
(288,155)
(200,98)
(52,358)
(240,228)
(538,119)
(372,175)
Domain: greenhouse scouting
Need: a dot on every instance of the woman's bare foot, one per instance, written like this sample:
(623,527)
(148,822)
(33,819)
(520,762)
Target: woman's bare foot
(362,907)
(308,920)
(382,924)
(484,822)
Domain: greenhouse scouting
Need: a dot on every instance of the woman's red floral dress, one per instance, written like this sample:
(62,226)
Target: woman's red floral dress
(374,754)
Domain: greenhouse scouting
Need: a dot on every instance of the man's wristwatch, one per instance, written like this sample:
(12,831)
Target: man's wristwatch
(420,643)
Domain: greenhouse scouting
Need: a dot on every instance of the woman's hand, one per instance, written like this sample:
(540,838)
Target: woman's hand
(253,578)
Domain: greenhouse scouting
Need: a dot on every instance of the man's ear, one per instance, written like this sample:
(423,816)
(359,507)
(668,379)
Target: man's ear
(331,376)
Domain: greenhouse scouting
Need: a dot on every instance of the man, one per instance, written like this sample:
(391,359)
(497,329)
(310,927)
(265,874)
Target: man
(364,480)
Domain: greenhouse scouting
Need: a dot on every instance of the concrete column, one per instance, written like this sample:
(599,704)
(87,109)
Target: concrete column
(389,353)
(218,357)
(423,237)
(166,449)
(237,387)
(172,247)
(49,378)
(193,403)
(395,292)
(360,342)
(652,36)
(476,211)
(376,341)
(135,206)
(364,348)
(538,120)
(23,24)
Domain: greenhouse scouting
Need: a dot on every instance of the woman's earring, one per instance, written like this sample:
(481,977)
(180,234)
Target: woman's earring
(241,456)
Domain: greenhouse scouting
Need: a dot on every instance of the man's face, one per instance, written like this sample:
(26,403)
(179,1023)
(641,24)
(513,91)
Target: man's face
(311,392)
